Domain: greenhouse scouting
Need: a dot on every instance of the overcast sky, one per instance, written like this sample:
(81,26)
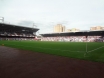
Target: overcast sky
(45,14)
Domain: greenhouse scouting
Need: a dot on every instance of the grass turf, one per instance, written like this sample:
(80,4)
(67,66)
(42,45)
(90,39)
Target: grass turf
(68,49)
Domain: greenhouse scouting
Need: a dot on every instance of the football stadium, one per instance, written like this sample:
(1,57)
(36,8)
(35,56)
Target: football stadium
(88,45)
(82,45)
(51,38)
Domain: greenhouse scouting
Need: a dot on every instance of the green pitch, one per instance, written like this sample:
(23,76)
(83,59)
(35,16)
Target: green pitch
(93,51)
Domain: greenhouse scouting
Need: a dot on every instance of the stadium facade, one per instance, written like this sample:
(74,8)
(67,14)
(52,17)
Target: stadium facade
(16,32)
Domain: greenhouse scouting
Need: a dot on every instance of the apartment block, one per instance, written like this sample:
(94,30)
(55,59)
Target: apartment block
(96,28)
(59,28)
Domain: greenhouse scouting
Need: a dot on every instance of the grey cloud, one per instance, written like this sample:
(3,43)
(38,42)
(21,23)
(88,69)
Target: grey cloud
(25,23)
(44,27)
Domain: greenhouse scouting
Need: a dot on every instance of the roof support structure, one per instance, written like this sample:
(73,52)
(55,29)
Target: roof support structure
(2,18)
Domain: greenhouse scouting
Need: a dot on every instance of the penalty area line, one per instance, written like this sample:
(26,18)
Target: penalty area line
(95,49)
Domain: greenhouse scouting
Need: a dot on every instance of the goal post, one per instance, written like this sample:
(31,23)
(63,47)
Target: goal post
(86,46)
(97,45)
